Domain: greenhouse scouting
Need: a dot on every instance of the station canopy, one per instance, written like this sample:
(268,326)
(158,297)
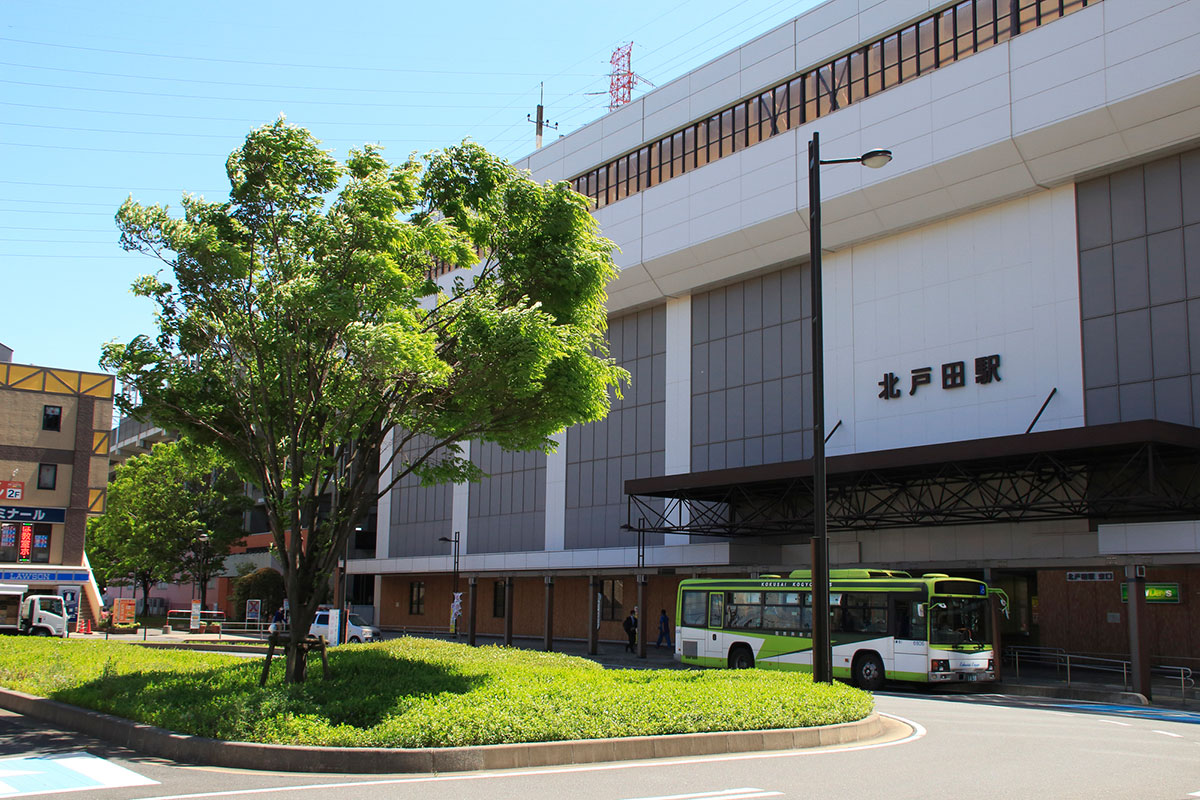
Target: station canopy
(1120,472)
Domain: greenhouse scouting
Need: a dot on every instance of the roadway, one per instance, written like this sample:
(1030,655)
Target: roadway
(990,745)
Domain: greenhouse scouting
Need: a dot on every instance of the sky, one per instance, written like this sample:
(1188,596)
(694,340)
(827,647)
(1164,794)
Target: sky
(102,101)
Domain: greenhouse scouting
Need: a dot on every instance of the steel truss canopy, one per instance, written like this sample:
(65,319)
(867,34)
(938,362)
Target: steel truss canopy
(1104,473)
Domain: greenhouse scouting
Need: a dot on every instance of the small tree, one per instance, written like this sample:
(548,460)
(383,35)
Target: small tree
(264,584)
(172,512)
(302,328)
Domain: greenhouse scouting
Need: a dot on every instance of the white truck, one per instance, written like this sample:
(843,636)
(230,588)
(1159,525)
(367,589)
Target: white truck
(31,614)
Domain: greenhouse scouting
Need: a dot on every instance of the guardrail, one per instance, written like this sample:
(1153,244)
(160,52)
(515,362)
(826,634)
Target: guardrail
(1061,660)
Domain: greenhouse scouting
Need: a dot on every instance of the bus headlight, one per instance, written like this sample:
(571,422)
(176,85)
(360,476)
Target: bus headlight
(940,665)
(991,664)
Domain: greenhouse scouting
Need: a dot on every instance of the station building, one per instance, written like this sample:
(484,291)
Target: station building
(54,446)
(1011,332)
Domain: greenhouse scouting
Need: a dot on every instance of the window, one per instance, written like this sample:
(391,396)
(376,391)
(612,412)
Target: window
(860,612)
(40,551)
(743,610)
(416,597)
(52,418)
(694,609)
(612,605)
(498,599)
(47,476)
(8,541)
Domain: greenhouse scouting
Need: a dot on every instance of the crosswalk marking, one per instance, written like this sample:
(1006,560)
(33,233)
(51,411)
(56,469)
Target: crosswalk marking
(744,793)
(71,772)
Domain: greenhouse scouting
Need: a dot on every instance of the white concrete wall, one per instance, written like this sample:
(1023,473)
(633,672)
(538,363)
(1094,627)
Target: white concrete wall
(999,281)
(1113,82)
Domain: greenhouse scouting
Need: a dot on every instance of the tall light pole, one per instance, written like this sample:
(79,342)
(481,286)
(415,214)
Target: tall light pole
(822,645)
(453,591)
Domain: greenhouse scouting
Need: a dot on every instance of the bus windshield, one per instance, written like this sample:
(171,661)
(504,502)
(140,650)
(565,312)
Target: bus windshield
(959,621)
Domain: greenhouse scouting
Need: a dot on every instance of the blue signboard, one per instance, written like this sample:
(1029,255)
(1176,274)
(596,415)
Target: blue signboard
(68,575)
(25,514)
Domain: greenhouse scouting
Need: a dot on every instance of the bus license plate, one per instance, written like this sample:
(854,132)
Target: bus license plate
(970,676)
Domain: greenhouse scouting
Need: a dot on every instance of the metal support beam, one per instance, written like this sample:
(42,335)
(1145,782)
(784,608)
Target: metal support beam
(472,591)
(508,611)
(1139,646)
(641,607)
(548,636)
(593,614)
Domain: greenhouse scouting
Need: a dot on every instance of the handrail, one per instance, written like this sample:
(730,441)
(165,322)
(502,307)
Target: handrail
(1060,659)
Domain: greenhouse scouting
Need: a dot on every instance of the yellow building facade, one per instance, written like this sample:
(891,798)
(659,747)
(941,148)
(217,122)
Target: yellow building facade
(55,431)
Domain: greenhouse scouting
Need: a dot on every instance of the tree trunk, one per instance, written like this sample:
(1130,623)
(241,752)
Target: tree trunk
(145,598)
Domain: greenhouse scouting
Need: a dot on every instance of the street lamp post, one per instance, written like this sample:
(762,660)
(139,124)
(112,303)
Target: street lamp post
(454,542)
(822,649)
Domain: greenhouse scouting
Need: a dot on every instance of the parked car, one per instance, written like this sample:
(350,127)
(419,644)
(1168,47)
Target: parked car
(357,630)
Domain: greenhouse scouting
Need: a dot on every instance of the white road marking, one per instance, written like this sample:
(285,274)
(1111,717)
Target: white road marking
(1168,733)
(1115,722)
(71,772)
(917,728)
(722,794)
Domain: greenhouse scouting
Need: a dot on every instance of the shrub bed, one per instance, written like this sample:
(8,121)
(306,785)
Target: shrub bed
(413,692)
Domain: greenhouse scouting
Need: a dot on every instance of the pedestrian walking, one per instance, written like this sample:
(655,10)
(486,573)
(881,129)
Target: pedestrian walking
(631,629)
(664,629)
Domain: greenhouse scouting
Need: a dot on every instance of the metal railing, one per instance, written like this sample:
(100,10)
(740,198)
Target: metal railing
(1061,661)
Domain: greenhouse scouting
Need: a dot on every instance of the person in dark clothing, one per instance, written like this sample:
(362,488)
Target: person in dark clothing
(631,629)
(664,629)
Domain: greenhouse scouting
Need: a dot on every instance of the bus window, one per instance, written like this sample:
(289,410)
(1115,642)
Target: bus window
(693,609)
(743,610)
(910,623)
(781,612)
(716,604)
(861,612)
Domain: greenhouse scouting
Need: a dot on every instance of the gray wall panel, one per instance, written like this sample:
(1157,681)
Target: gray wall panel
(1173,400)
(1096,282)
(630,442)
(1130,275)
(419,514)
(1095,223)
(511,513)
(1141,351)
(1164,203)
(1164,254)
(753,375)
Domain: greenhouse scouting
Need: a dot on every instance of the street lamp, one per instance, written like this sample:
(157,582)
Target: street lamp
(453,591)
(822,646)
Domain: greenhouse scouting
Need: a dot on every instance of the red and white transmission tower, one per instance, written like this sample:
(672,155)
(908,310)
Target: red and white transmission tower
(623,78)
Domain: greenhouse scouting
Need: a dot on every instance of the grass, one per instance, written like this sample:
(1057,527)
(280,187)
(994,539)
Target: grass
(414,692)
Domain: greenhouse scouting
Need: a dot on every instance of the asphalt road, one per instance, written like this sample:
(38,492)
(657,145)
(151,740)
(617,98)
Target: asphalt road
(991,746)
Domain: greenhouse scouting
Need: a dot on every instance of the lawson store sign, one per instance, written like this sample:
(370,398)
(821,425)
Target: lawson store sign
(64,575)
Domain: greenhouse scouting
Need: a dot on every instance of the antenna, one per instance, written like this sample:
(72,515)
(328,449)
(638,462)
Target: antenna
(541,121)
(622,79)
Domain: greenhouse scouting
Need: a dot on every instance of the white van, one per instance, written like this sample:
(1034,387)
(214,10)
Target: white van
(357,630)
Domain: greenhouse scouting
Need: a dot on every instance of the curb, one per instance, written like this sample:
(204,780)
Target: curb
(1073,693)
(161,743)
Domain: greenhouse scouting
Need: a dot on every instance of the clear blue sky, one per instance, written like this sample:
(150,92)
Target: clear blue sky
(99,101)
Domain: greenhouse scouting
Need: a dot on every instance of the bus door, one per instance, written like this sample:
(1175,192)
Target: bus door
(714,644)
(912,647)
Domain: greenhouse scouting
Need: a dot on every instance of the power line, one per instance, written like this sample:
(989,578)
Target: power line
(177,96)
(271,63)
(243,84)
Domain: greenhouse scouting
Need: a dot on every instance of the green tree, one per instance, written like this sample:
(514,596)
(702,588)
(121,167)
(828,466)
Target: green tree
(302,327)
(173,512)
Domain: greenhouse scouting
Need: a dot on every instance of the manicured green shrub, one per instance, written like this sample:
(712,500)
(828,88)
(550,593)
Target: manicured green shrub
(417,693)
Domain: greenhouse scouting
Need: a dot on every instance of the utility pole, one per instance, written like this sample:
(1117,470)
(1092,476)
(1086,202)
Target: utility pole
(541,121)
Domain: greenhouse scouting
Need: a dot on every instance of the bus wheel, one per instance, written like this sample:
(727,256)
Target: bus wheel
(740,657)
(868,672)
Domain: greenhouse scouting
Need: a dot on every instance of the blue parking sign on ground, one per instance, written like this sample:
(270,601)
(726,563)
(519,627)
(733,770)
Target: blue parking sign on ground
(70,772)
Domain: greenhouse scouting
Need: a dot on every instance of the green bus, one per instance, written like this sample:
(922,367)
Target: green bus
(884,625)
